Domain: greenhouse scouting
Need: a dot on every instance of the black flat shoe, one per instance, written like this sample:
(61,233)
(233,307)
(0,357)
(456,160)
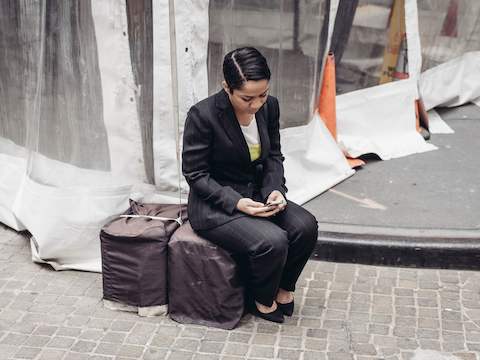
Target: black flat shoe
(274,316)
(287,309)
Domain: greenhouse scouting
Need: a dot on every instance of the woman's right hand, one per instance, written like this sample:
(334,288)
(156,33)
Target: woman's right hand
(254,208)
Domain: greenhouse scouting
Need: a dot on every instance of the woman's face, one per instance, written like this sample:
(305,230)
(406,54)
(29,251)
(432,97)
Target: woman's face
(250,97)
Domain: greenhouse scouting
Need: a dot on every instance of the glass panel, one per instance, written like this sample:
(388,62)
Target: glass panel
(369,43)
(448,28)
(288,33)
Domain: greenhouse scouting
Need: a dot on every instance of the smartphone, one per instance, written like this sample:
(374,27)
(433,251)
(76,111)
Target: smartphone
(274,203)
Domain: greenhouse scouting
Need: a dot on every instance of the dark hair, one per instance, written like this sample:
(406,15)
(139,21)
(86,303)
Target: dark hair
(243,64)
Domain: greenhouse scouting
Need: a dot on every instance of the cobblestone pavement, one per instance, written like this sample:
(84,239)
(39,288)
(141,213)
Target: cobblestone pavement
(344,311)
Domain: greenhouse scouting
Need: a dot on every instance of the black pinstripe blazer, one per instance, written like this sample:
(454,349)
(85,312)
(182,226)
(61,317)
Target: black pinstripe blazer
(216,160)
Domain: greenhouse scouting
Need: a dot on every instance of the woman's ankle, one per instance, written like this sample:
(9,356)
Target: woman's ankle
(284,296)
(266,309)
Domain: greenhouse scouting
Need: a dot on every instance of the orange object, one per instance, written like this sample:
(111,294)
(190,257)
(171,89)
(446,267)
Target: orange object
(355,163)
(327,105)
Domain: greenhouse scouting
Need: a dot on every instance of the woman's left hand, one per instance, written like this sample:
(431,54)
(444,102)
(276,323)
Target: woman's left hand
(276,197)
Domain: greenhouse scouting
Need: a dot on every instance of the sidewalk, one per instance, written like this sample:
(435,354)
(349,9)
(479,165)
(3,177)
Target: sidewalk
(421,210)
(344,311)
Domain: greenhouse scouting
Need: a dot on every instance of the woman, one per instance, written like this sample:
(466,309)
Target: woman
(233,164)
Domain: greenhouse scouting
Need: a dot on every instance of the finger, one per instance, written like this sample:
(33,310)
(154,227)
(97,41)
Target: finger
(260,210)
(256,204)
(268,213)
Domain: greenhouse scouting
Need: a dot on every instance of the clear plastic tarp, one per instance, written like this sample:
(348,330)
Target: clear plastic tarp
(288,33)
(369,43)
(448,29)
(70,114)
(450,36)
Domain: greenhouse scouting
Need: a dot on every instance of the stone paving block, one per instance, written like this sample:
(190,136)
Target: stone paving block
(265,328)
(452,325)
(91,334)
(407,344)
(77,320)
(264,339)
(211,347)
(339,346)
(140,334)
(316,344)
(427,344)
(61,342)
(314,355)
(404,331)
(453,346)
(466,355)
(288,354)
(95,323)
(154,353)
(187,332)
(261,351)
(122,325)
(205,357)
(290,342)
(107,348)
(26,352)
(51,354)
(236,349)
(131,351)
(339,356)
(114,337)
(289,330)
(37,340)
(162,340)
(14,339)
(378,329)
(23,327)
(69,331)
(84,346)
(186,344)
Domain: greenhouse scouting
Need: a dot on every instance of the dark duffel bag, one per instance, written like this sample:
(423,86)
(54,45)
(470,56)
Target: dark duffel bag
(203,280)
(134,256)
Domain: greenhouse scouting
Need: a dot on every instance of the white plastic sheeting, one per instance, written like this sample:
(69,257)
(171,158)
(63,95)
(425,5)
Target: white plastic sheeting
(436,125)
(380,120)
(192,43)
(453,83)
(313,161)
(118,90)
(13,167)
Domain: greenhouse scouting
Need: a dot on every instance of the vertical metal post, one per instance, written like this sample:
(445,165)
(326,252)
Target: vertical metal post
(175,102)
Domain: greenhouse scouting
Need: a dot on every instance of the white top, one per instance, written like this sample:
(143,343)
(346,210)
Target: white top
(250,133)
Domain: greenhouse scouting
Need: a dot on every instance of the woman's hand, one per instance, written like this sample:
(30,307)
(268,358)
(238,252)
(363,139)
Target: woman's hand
(254,208)
(276,197)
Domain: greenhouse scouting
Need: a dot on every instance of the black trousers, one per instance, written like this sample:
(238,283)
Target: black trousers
(272,251)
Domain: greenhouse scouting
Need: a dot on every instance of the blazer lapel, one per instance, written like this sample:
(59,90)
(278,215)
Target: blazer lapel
(231,125)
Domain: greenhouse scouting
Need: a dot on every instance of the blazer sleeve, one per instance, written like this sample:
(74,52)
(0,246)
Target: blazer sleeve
(273,173)
(197,139)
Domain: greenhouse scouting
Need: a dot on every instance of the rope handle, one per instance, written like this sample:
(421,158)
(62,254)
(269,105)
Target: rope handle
(178,220)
